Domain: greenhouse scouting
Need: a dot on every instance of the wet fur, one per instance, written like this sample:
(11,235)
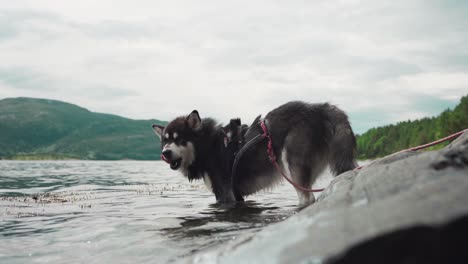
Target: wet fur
(213,155)
(306,139)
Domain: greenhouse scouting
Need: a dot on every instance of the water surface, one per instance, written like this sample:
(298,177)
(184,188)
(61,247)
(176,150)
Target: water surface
(120,212)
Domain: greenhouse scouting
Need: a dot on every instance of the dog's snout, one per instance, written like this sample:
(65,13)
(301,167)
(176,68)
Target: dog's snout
(167,153)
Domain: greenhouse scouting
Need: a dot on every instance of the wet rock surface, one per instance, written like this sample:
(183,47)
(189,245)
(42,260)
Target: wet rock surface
(399,192)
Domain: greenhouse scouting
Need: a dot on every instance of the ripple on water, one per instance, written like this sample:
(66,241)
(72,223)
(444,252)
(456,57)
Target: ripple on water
(120,212)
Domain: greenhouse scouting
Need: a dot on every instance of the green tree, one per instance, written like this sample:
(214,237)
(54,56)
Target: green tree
(381,141)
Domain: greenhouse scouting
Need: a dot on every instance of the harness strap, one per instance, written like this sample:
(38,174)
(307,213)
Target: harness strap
(241,152)
(267,135)
(271,156)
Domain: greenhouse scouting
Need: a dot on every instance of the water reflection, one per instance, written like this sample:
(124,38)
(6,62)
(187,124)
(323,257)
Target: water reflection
(224,218)
(119,212)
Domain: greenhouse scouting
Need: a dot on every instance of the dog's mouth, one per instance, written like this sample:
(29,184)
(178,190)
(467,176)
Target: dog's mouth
(174,164)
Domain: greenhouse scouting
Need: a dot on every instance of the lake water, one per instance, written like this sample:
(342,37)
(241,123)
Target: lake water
(120,212)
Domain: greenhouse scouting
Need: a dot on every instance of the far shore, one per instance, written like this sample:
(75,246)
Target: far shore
(53,158)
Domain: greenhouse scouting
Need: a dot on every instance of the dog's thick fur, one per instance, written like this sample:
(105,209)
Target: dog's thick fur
(306,138)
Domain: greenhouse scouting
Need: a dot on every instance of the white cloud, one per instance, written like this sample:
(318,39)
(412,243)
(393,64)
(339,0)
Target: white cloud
(161,59)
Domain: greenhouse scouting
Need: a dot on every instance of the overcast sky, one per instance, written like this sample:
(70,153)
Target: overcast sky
(380,61)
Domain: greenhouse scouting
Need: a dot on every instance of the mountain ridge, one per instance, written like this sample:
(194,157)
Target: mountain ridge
(36,128)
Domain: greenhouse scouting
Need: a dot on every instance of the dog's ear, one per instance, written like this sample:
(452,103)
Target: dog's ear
(193,120)
(158,130)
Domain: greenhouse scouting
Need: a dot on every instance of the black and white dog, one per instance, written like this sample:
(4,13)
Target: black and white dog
(306,138)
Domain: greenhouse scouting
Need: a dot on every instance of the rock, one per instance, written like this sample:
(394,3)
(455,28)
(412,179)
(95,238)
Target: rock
(394,193)
(418,244)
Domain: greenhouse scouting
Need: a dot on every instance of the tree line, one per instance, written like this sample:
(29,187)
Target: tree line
(381,141)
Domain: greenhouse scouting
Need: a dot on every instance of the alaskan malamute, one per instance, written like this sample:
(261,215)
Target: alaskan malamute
(306,138)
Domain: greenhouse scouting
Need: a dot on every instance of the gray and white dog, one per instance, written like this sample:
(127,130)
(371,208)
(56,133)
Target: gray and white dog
(306,139)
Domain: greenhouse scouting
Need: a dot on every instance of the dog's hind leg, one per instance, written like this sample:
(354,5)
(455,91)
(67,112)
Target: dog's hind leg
(301,177)
(238,196)
(299,173)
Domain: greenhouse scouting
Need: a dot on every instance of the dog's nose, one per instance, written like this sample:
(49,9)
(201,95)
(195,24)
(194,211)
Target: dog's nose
(167,154)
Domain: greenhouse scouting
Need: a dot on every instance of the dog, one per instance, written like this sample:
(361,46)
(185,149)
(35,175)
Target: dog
(306,138)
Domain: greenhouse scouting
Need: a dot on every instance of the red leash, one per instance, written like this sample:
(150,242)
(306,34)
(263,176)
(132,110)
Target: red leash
(451,137)
(272,155)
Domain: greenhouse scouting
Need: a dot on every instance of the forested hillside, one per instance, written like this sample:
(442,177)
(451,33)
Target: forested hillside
(49,129)
(381,141)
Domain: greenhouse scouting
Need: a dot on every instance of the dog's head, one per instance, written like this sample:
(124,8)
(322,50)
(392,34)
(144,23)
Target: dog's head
(177,140)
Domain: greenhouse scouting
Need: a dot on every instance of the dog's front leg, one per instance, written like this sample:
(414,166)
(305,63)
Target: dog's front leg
(225,196)
(222,189)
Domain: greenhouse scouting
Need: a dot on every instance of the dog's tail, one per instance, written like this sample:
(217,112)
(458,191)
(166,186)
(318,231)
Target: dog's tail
(342,146)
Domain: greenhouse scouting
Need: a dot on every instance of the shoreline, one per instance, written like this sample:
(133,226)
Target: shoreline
(69,159)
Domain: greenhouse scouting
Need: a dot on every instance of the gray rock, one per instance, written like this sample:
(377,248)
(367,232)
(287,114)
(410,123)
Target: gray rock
(395,192)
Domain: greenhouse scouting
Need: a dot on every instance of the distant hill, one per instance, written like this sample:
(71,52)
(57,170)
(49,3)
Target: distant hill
(48,129)
(381,141)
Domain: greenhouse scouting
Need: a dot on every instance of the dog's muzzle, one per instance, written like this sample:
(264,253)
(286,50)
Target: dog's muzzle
(167,156)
